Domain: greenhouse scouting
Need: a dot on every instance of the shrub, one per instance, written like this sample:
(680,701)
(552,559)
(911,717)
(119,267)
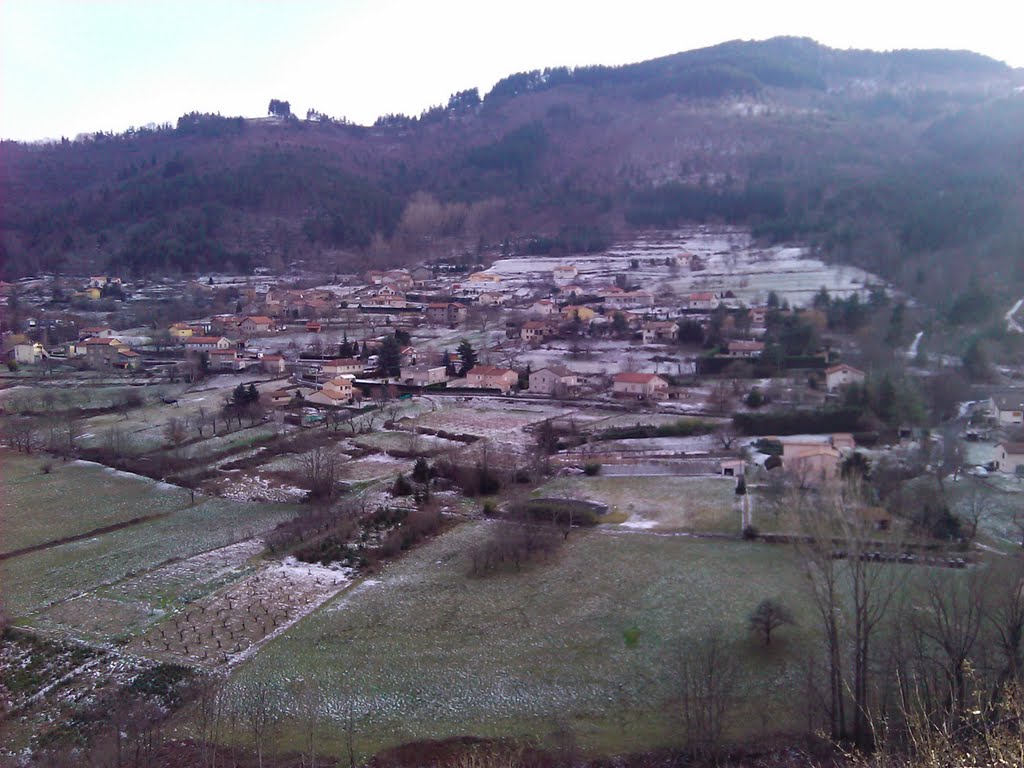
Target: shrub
(591,468)
(750,533)
(401,486)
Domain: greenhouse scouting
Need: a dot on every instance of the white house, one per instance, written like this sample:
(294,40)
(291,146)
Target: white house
(564,274)
(704,301)
(842,375)
(342,366)
(204,343)
(553,380)
(745,348)
(1007,408)
(423,375)
(643,386)
(1009,457)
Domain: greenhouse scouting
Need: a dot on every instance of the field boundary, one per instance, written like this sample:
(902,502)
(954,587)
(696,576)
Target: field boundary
(80,536)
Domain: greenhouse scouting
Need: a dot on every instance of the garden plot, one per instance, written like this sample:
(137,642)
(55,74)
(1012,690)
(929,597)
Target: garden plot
(227,626)
(131,606)
(408,443)
(482,419)
(662,503)
(39,579)
(240,485)
(371,468)
(425,651)
(72,499)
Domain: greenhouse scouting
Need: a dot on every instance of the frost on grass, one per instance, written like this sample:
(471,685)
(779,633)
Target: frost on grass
(430,652)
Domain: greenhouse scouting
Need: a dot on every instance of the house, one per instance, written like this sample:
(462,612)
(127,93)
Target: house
(815,459)
(337,391)
(543,307)
(745,349)
(180,331)
(564,274)
(128,360)
(313,326)
(281,397)
(225,360)
(421,275)
(446,313)
(96,332)
(206,343)
(627,299)
(731,467)
(423,375)
(640,386)
(553,380)
(273,364)
(1007,408)
(343,366)
(102,353)
(23,351)
(492,377)
(701,302)
(257,324)
(658,331)
(839,376)
(536,330)
(1009,457)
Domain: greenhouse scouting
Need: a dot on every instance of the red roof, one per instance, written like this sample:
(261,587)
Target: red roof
(636,378)
(203,339)
(260,320)
(343,361)
(490,370)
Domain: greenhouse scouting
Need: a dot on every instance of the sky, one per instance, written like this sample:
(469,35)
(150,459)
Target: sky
(74,66)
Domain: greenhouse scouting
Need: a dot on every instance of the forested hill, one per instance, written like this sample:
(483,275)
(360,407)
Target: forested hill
(897,161)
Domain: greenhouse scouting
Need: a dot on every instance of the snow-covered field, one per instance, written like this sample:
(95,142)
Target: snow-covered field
(731,261)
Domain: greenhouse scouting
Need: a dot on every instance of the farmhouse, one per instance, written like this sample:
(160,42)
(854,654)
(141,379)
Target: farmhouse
(100,353)
(423,375)
(446,313)
(842,375)
(627,300)
(658,331)
(553,380)
(1009,457)
(337,391)
(543,307)
(23,351)
(273,364)
(96,332)
(492,377)
(565,273)
(703,302)
(745,348)
(642,386)
(1007,408)
(536,330)
(815,459)
(341,366)
(225,360)
(206,343)
(257,324)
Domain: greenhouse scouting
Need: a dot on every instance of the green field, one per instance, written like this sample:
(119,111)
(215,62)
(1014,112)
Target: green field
(74,498)
(702,504)
(426,651)
(79,497)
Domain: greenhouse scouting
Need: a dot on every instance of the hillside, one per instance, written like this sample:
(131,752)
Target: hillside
(904,163)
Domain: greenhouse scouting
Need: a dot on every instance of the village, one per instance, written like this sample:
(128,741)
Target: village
(226,462)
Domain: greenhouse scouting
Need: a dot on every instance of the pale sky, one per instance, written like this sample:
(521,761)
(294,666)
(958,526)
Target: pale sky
(72,66)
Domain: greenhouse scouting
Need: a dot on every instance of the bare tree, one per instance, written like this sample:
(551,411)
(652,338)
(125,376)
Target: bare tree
(769,616)
(260,716)
(319,469)
(175,431)
(708,674)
